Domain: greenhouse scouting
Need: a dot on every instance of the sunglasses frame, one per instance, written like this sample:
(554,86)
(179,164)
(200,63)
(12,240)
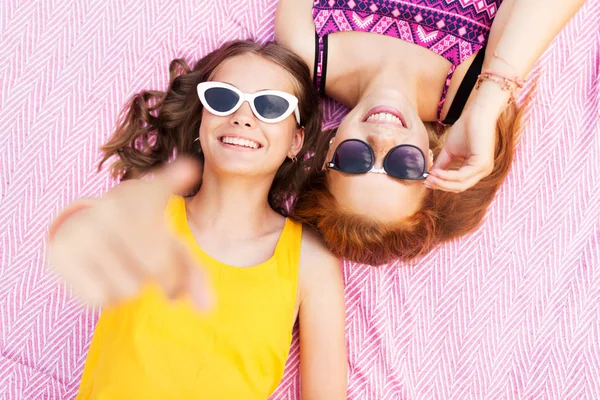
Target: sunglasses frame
(249,97)
(384,170)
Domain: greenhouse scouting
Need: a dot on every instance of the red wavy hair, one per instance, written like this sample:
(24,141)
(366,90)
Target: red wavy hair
(442,216)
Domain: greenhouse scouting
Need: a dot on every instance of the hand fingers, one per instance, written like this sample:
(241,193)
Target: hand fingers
(166,269)
(200,291)
(196,283)
(147,252)
(112,260)
(182,276)
(466,172)
(450,186)
(442,161)
(107,273)
(109,267)
(119,268)
(85,286)
(73,264)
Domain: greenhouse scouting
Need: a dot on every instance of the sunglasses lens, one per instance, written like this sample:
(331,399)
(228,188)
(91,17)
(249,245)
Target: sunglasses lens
(221,99)
(405,162)
(353,157)
(271,106)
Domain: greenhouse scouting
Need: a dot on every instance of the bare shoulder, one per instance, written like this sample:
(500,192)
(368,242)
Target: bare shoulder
(295,28)
(314,250)
(319,269)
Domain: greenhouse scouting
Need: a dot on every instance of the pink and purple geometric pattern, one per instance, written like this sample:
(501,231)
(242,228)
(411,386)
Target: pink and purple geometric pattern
(454,29)
(444,26)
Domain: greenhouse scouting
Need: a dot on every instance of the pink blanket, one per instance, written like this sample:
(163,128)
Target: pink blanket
(511,311)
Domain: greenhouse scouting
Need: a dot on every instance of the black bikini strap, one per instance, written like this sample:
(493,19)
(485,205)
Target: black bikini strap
(320,66)
(325,41)
(316,65)
(465,89)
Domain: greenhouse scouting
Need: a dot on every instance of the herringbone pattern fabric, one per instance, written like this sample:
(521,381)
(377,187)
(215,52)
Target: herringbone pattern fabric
(509,312)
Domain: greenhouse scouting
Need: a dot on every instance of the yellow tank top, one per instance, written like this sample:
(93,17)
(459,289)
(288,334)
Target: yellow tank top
(151,348)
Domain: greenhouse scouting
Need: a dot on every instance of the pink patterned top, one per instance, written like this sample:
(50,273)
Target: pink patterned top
(454,29)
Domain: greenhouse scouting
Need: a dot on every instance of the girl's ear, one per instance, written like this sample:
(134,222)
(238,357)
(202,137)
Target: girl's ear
(297,142)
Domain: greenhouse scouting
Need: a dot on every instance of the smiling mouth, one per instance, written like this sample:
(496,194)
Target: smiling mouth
(240,142)
(385,115)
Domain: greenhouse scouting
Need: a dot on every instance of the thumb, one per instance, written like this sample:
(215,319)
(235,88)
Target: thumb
(178,177)
(443,160)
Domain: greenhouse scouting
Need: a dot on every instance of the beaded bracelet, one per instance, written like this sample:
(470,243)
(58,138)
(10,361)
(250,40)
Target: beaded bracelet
(506,83)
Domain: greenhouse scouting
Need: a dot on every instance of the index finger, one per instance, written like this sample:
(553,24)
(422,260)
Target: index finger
(449,186)
(465,172)
(183,276)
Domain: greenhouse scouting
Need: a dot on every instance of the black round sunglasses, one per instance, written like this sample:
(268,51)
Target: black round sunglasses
(354,156)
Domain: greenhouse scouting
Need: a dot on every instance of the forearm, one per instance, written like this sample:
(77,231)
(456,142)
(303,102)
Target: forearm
(521,37)
(323,359)
(531,27)
(295,28)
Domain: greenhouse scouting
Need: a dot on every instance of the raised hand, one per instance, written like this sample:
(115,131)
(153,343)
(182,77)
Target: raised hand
(107,251)
(472,138)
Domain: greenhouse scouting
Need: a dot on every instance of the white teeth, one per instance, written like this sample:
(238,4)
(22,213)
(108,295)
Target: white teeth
(385,117)
(240,142)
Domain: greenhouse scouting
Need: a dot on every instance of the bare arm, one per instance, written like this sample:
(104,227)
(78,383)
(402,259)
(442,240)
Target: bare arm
(323,360)
(110,249)
(295,28)
(520,38)
(521,32)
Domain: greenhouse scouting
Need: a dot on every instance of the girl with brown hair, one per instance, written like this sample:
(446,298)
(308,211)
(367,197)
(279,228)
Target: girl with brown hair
(391,182)
(148,255)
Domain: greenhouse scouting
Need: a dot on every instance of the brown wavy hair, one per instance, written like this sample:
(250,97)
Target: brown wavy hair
(155,126)
(442,216)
